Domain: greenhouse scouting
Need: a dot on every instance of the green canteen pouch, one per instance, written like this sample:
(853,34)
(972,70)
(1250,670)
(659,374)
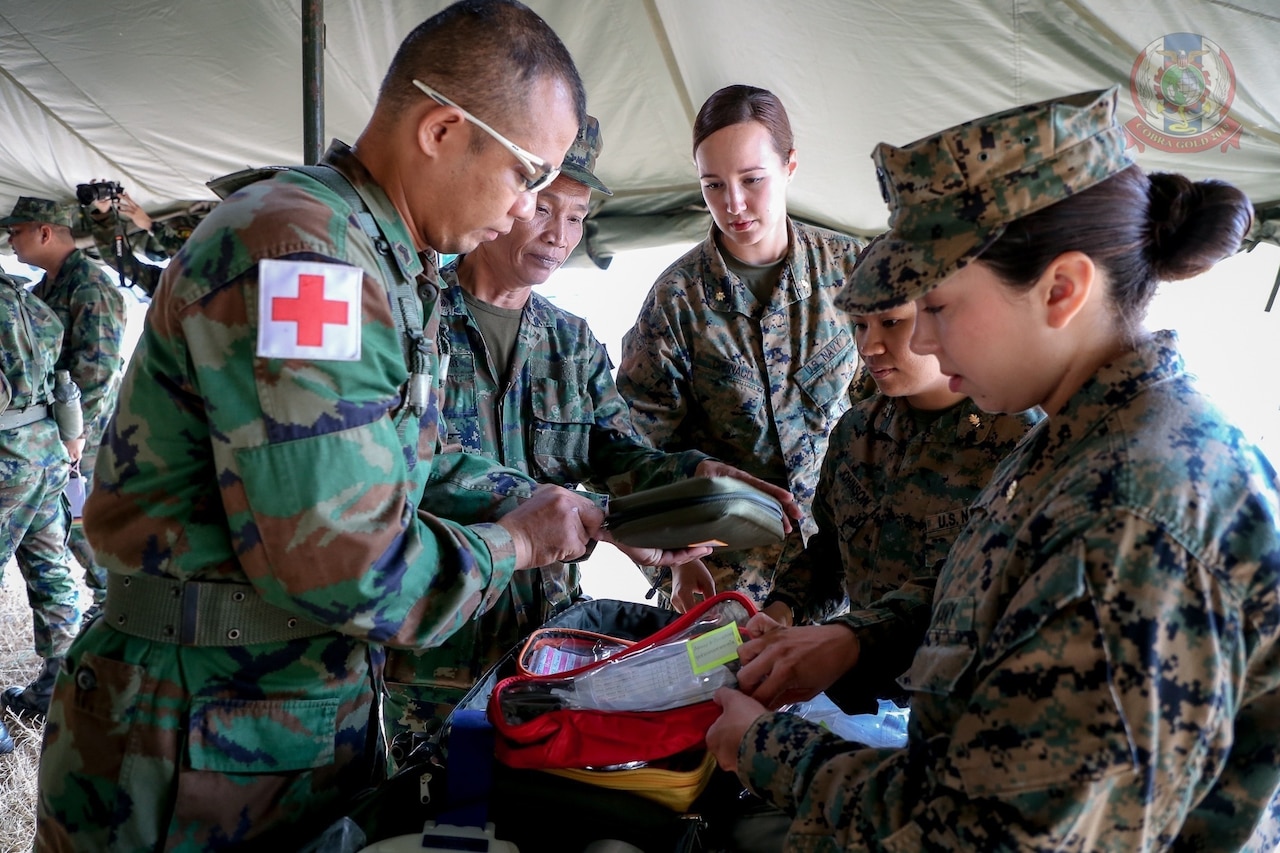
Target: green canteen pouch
(717,511)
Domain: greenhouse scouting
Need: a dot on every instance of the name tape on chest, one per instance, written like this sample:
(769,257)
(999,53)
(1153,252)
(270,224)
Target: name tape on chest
(309,310)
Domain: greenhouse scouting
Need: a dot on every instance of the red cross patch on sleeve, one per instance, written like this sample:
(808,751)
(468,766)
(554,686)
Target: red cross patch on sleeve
(309,310)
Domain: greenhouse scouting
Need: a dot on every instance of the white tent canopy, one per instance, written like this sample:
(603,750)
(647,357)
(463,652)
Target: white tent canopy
(162,95)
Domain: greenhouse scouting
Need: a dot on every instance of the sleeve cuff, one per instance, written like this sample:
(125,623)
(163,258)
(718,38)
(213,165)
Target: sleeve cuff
(502,554)
(777,753)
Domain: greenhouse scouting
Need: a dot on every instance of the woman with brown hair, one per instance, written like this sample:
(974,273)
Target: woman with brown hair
(739,350)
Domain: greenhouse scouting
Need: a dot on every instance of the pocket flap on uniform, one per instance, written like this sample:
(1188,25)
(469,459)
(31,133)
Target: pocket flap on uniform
(948,649)
(267,736)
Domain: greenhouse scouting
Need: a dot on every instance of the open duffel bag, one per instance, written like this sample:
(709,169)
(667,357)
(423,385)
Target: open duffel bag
(452,777)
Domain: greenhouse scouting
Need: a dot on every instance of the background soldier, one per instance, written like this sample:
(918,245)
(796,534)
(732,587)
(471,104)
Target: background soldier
(92,313)
(34,518)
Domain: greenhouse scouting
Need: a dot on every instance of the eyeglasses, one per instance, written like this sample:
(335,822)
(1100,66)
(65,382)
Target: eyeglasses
(541,172)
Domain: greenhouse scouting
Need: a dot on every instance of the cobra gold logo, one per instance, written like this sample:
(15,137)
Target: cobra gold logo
(1183,86)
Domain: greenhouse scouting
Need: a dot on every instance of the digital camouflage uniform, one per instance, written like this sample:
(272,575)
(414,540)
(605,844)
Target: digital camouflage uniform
(895,490)
(1102,669)
(707,367)
(93,317)
(34,518)
(297,480)
(557,417)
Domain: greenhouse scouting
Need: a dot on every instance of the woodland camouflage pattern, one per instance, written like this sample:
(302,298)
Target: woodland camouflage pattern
(952,194)
(894,492)
(301,478)
(93,318)
(557,417)
(1102,669)
(34,518)
(707,367)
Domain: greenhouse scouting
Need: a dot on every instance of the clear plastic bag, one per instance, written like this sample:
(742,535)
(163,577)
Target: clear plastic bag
(550,651)
(683,669)
(885,729)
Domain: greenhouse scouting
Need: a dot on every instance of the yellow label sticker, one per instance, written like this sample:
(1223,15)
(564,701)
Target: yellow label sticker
(714,543)
(714,648)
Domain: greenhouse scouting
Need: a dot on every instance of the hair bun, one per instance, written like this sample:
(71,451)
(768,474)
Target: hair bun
(1193,225)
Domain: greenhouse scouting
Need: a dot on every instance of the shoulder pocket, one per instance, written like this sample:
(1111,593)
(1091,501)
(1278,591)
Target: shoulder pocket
(825,377)
(948,649)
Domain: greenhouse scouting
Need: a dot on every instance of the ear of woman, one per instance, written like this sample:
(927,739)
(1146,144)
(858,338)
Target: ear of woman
(1070,280)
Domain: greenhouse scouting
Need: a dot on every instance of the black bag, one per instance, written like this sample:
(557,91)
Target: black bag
(718,511)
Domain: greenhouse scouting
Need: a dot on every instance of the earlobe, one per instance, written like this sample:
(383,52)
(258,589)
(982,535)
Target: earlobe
(1070,279)
(791,164)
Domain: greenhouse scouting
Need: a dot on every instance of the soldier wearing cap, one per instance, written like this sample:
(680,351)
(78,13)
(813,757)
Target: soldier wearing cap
(92,313)
(1101,670)
(529,385)
(34,517)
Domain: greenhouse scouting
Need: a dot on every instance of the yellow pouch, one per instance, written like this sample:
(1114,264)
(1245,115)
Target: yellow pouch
(674,787)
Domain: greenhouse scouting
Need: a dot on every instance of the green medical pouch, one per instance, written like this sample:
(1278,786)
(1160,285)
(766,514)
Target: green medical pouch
(717,511)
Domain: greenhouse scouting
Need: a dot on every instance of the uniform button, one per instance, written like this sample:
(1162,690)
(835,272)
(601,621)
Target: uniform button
(237,596)
(292,623)
(86,679)
(168,630)
(233,634)
(121,619)
(176,592)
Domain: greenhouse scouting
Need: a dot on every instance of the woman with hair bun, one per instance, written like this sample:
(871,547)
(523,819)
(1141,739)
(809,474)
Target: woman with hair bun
(1101,670)
(739,351)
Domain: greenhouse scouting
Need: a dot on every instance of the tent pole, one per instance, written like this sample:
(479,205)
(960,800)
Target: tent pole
(312,80)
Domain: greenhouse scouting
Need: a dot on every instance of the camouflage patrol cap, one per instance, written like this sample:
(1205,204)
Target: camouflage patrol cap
(951,195)
(581,158)
(30,209)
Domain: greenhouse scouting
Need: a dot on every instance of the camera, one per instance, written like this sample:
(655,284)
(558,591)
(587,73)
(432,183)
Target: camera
(98,191)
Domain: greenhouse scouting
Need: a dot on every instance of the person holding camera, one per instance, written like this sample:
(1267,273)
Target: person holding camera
(106,202)
(92,313)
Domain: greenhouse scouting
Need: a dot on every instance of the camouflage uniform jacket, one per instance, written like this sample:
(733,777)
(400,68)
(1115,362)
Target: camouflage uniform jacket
(93,318)
(1102,669)
(708,367)
(300,477)
(30,340)
(557,417)
(895,489)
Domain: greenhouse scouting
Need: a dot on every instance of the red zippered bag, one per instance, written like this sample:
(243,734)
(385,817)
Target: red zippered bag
(586,717)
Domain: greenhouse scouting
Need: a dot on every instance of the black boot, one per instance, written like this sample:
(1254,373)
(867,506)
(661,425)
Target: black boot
(34,700)
(6,739)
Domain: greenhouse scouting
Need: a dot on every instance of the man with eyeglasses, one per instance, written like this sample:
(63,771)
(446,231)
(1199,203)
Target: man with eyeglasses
(257,500)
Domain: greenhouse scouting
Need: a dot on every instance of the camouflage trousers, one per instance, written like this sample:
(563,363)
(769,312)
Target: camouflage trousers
(424,686)
(154,746)
(95,576)
(34,521)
